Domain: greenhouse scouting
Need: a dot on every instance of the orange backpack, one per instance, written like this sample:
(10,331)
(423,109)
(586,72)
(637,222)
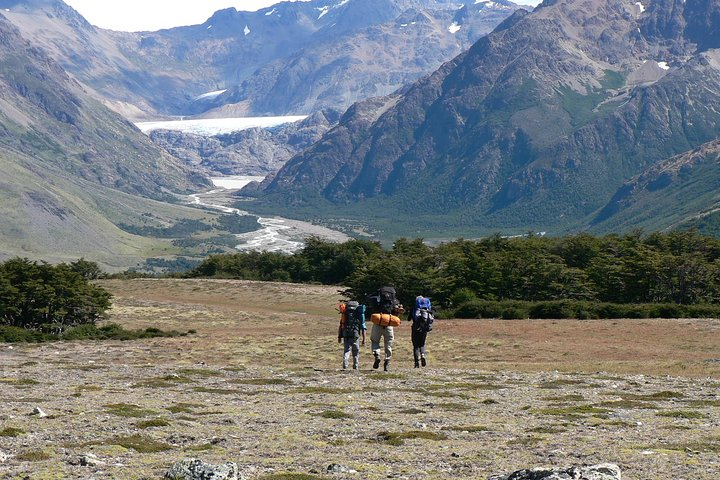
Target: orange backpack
(385,320)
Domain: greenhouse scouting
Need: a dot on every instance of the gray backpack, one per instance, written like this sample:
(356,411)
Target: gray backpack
(353,320)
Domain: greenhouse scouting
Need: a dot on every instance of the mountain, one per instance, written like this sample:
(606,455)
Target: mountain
(294,57)
(533,128)
(335,70)
(73,169)
(92,56)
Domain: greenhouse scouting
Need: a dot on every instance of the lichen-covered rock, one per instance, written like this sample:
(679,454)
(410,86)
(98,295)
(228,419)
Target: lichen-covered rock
(196,469)
(604,471)
(337,469)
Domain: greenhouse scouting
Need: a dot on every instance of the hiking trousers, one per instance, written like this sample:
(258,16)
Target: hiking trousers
(387,334)
(352,345)
(418,341)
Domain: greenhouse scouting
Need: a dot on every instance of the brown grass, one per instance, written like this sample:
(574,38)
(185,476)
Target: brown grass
(288,324)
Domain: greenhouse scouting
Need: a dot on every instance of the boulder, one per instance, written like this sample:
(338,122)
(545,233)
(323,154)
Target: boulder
(604,471)
(195,469)
(337,469)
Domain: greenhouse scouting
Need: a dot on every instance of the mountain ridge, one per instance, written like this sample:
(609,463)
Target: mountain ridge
(147,75)
(535,127)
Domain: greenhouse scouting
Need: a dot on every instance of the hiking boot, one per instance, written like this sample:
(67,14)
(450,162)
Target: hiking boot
(386,364)
(376,363)
(417,363)
(423,361)
(355,364)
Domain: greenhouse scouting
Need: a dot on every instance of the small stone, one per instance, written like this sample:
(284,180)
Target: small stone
(455,455)
(4,457)
(39,412)
(90,460)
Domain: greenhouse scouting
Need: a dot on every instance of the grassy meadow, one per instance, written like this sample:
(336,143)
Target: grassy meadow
(260,384)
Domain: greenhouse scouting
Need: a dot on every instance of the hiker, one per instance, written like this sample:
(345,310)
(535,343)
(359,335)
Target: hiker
(422,319)
(384,309)
(352,327)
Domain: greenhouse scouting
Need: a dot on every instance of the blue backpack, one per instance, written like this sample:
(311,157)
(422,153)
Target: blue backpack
(424,318)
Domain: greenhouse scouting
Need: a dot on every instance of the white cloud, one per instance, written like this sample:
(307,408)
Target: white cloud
(147,15)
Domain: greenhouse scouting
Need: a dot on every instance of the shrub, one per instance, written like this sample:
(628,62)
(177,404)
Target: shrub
(558,309)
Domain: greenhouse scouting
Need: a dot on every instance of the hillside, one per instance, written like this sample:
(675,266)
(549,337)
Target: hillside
(534,128)
(680,193)
(72,169)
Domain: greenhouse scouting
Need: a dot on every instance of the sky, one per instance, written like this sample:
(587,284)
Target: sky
(150,15)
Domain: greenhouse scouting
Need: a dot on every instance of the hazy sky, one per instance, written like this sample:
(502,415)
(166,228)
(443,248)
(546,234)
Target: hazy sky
(140,15)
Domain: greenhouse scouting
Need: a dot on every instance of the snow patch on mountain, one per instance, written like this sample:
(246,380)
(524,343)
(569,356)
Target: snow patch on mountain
(246,31)
(324,10)
(210,94)
(454,27)
(209,127)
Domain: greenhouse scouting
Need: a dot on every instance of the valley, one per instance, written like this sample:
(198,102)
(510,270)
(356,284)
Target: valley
(390,122)
(276,234)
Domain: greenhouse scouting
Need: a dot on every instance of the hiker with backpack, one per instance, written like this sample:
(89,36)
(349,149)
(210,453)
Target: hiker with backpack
(352,327)
(385,309)
(422,319)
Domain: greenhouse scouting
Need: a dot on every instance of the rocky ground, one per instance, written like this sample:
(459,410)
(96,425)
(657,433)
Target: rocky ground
(259,384)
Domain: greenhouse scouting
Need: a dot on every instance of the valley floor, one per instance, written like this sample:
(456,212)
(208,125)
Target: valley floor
(260,384)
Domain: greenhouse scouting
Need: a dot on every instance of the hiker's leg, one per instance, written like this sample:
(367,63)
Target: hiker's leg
(389,337)
(356,353)
(346,351)
(415,335)
(416,348)
(375,333)
(422,337)
(421,341)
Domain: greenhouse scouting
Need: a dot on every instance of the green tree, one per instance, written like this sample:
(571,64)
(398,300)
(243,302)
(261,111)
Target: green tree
(41,296)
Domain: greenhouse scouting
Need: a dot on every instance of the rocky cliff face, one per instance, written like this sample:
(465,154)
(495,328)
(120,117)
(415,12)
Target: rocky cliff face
(256,151)
(535,127)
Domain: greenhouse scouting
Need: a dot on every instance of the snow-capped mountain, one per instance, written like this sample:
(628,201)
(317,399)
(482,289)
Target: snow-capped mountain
(291,58)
